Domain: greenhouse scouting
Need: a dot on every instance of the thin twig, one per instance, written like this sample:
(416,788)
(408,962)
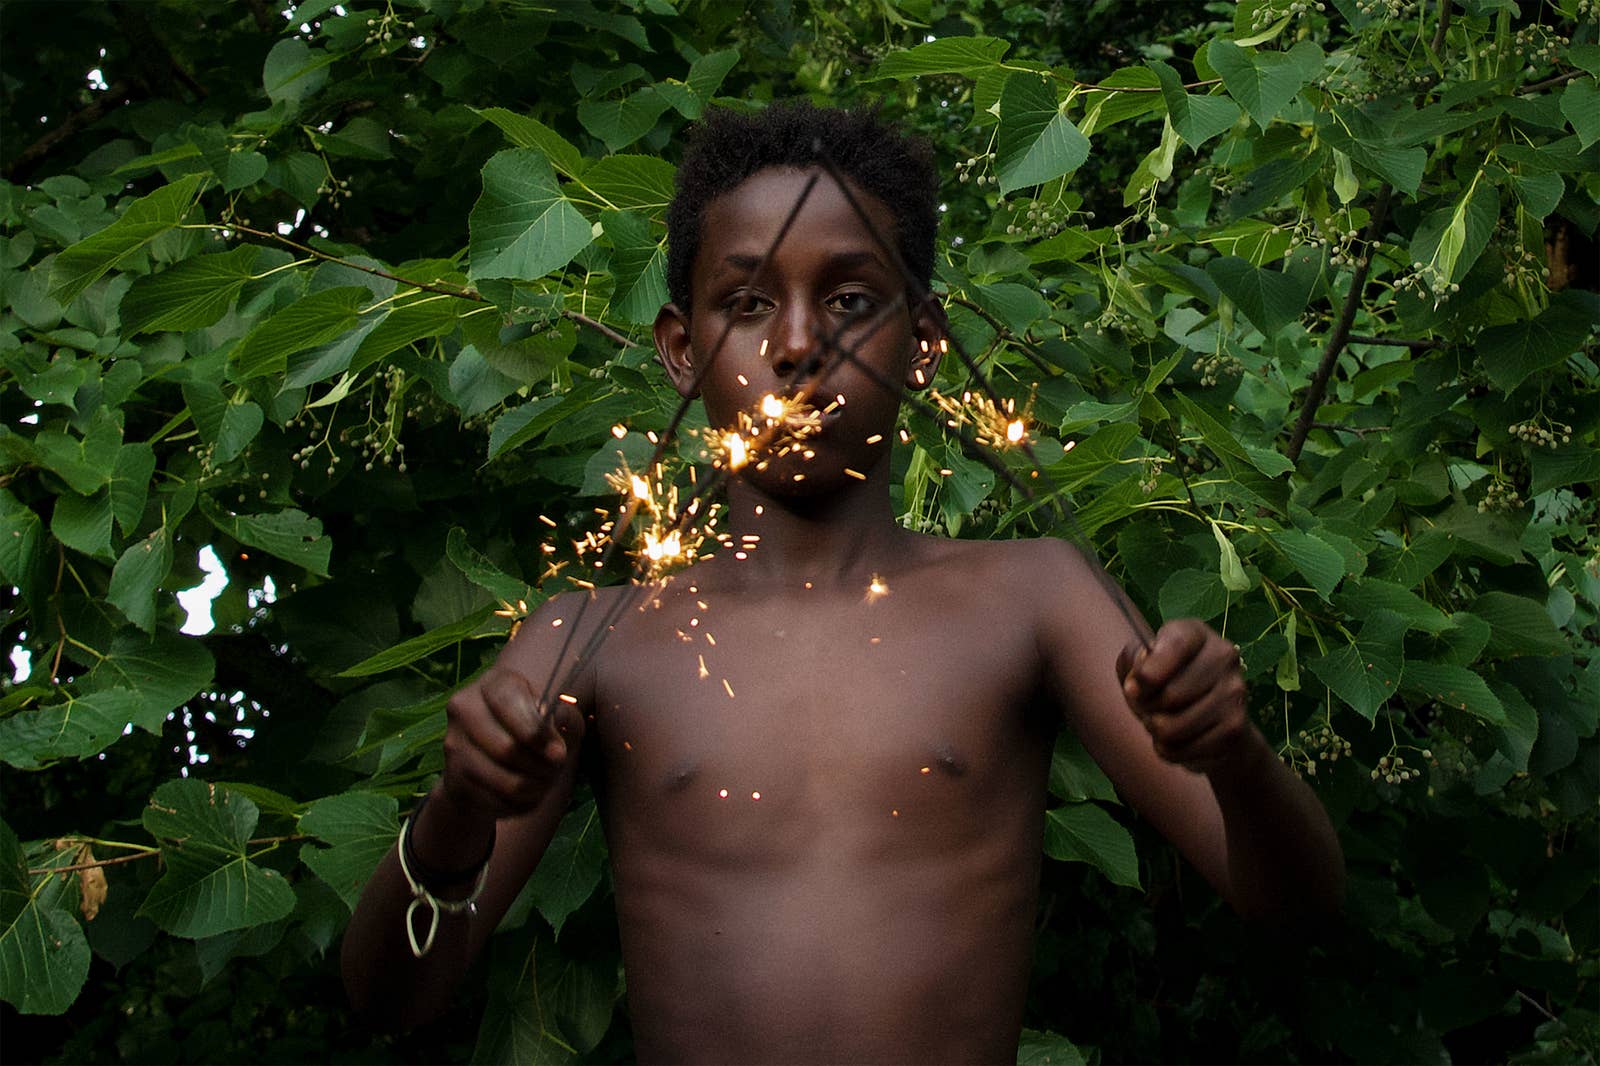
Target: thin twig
(1444,24)
(1359,431)
(1341,329)
(1394,342)
(1139,88)
(601,328)
(1024,344)
(95,865)
(306,249)
(1549,83)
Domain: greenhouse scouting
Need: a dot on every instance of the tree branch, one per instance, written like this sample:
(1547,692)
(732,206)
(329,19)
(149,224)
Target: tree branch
(1341,329)
(1444,24)
(115,95)
(601,328)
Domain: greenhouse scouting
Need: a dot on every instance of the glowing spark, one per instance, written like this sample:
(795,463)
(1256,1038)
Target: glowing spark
(875,438)
(722,793)
(922,378)
(763,346)
(744,381)
(556,623)
(944,346)
(755,795)
(567,697)
(895,813)
(1067,447)
(760,510)
(771,406)
(641,488)
(905,437)
(799,477)
(738,452)
(858,475)
(924,346)
(650,435)
(711,640)
(877,589)
(1014,431)
(925,771)
(727,687)
(704,673)
(547,520)
(945,472)
(618,432)
(741,556)
(995,425)
(627,746)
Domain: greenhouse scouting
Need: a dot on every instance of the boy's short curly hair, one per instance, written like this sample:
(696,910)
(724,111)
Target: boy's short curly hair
(729,146)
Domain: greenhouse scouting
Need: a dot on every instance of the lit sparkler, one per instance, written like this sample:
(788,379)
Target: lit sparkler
(994,425)
(669,538)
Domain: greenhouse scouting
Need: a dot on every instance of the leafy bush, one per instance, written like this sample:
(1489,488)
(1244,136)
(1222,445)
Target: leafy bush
(1298,296)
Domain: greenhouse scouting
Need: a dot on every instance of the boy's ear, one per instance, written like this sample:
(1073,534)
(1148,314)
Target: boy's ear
(673,350)
(929,328)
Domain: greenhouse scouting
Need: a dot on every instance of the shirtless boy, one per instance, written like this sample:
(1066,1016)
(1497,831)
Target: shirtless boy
(826,844)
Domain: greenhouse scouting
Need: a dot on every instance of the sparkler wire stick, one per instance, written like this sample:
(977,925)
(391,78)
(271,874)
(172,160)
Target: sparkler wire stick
(626,519)
(1075,535)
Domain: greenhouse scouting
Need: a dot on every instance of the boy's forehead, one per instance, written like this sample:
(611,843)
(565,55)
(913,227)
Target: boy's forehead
(747,218)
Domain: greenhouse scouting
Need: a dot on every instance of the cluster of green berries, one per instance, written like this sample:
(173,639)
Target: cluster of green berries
(335,189)
(1523,267)
(1539,431)
(1113,320)
(1043,220)
(382,30)
(206,454)
(1538,46)
(1271,12)
(965,168)
(1393,768)
(1152,476)
(1500,497)
(1387,9)
(1327,744)
(1427,280)
(1213,368)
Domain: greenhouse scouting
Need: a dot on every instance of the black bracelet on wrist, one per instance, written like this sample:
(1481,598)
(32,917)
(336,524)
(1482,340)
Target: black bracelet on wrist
(431,876)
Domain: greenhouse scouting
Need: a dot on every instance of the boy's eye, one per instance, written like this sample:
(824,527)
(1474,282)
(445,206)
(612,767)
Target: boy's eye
(851,303)
(747,303)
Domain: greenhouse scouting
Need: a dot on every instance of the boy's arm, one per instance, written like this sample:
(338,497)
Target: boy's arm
(1171,727)
(509,771)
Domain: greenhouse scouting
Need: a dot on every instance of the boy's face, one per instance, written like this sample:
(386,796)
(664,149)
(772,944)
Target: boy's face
(828,270)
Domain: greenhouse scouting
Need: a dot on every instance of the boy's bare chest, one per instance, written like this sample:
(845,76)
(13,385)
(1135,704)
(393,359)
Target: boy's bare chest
(815,704)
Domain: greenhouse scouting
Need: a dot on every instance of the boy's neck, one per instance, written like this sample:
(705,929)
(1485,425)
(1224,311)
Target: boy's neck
(836,539)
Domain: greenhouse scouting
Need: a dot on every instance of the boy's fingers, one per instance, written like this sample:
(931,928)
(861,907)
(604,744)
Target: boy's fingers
(1175,644)
(514,704)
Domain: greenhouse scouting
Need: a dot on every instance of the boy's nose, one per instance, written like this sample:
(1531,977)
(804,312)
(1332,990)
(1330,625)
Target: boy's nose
(794,351)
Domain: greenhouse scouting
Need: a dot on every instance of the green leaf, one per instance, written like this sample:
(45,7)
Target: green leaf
(481,570)
(570,870)
(1265,82)
(409,319)
(137,577)
(1518,626)
(1580,102)
(408,651)
(1074,775)
(1512,352)
(306,323)
(1192,594)
(638,266)
(1417,559)
(1363,675)
(210,885)
(294,71)
(146,218)
(1454,686)
(521,424)
(85,464)
(291,535)
(525,132)
(194,294)
(632,182)
(1232,573)
(522,227)
(1539,193)
(622,121)
(1363,598)
(1196,118)
(1345,183)
(83,523)
(1400,165)
(950,55)
(1270,299)
(130,484)
(362,827)
(1037,1048)
(1036,141)
(1287,675)
(44,956)
(544,1008)
(1319,561)
(1451,239)
(1084,832)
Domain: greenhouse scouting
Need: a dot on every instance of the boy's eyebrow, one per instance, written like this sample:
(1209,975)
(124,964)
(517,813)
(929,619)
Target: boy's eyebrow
(836,261)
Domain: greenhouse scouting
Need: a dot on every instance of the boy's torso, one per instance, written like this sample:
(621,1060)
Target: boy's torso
(824,807)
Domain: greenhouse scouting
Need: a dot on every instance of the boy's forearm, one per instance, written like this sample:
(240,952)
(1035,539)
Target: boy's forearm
(1284,857)
(386,982)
